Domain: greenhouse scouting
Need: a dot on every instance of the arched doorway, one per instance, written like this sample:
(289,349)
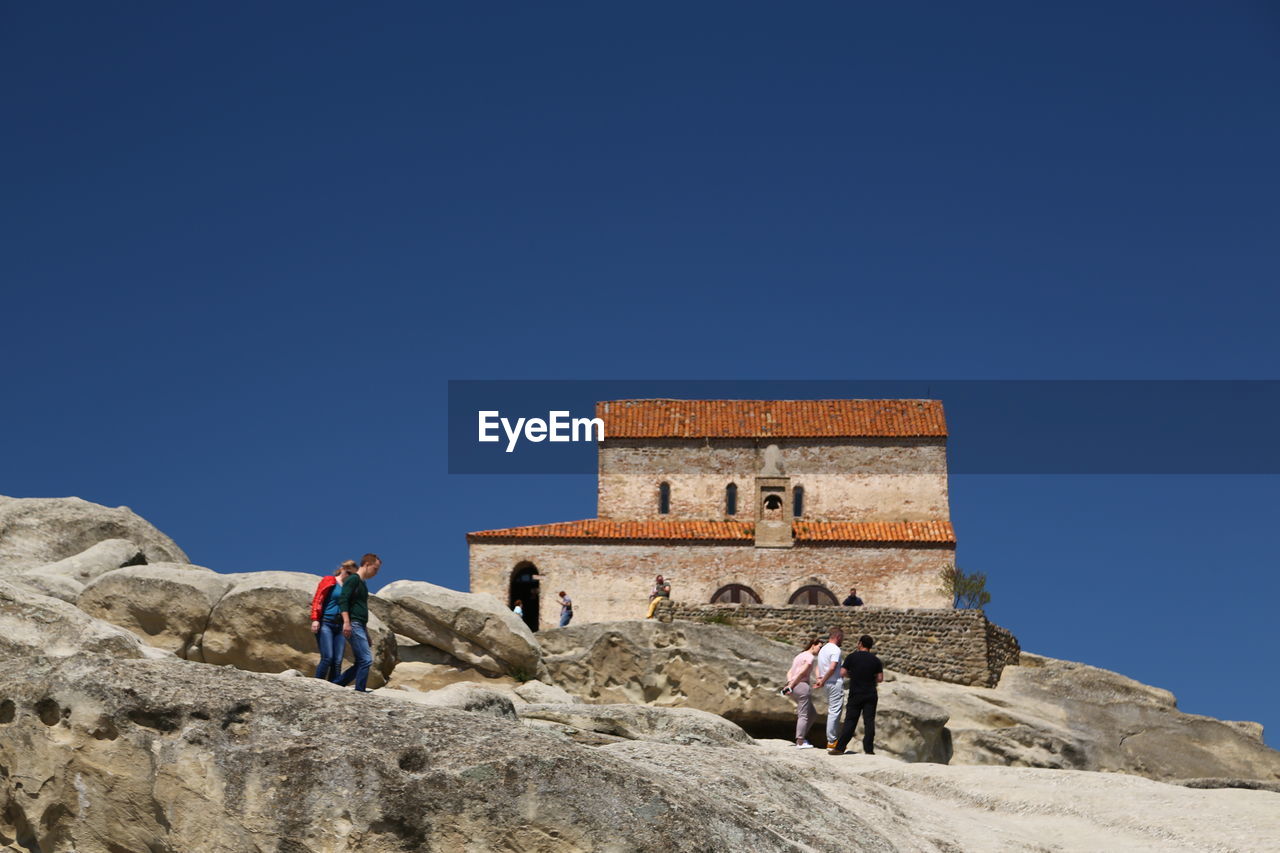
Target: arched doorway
(735,593)
(524,588)
(814,595)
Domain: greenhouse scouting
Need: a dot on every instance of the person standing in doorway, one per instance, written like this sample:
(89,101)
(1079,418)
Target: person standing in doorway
(829,678)
(566,608)
(353,604)
(864,671)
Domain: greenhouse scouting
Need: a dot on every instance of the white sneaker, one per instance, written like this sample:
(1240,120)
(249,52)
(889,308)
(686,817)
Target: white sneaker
(805,745)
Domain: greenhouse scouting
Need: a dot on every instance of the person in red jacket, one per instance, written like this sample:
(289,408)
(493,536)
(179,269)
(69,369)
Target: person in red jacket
(326,622)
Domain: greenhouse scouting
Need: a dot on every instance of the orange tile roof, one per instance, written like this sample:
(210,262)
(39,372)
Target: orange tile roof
(771,418)
(738,531)
(874,531)
(603,528)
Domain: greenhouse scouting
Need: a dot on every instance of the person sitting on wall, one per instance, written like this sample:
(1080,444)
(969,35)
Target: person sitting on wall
(661,590)
(853,600)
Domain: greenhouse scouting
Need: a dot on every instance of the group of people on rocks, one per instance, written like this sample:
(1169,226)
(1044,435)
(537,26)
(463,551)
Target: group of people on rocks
(340,613)
(820,667)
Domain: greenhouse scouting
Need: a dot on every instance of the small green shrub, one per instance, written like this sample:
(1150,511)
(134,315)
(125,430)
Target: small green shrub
(967,591)
(718,618)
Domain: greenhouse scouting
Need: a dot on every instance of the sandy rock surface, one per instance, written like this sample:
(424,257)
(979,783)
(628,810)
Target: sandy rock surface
(427,676)
(1061,714)
(55,586)
(111,742)
(1044,713)
(475,629)
(166,604)
(535,692)
(95,560)
(34,625)
(137,755)
(715,668)
(675,726)
(106,750)
(35,532)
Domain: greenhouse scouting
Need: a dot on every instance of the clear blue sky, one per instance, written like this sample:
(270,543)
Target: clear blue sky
(245,247)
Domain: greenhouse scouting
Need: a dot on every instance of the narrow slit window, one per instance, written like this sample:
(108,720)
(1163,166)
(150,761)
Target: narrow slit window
(797,501)
(731,499)
(664,499)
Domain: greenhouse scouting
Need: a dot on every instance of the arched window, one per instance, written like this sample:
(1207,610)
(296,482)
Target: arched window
(735,593)
(814,595)
(772,502)
(731,499)
(664,499)
(797,501)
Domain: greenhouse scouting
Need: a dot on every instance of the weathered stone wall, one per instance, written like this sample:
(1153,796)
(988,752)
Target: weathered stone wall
(870,479)
(960,646)
(613,581)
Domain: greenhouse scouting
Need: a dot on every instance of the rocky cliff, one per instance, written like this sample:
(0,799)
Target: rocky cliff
(142,728)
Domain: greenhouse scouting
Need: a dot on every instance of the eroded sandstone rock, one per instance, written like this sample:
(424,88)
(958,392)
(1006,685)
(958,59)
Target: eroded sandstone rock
(475,629)
(54,586)
(105,556)
(168,605)
(150,755)
(35,532)
(714,668)
(461,696)
(426,677)
(34,626)
(1044,713)
(1056,713)
(677,726)
(104,754)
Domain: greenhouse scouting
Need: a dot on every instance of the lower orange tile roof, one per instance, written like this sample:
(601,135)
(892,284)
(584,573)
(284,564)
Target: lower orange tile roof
(593,529)
(874,531)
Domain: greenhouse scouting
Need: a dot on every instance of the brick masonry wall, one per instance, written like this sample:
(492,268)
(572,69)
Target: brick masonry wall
(960,646)
(872,479)
(612,581)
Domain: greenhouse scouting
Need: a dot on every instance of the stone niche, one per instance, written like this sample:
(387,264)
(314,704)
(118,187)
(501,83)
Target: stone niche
(773,503)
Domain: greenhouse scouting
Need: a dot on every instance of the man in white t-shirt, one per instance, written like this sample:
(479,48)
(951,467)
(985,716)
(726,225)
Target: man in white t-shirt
(828,669)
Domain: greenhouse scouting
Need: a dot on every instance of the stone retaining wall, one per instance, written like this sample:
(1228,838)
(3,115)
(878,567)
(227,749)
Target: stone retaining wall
(960,646)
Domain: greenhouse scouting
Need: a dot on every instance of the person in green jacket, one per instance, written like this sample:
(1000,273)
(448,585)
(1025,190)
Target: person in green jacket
(353,604)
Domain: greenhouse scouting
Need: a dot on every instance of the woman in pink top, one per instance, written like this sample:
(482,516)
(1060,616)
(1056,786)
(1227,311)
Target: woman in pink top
(798,678)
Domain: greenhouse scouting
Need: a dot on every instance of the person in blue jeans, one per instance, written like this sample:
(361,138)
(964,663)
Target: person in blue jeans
(353,604)
(326,622)
(566,608)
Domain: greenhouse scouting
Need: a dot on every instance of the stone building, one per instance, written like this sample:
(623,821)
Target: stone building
(752,501)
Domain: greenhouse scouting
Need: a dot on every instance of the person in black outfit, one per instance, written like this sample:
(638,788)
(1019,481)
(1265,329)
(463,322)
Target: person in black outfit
(853,600)
(864,671)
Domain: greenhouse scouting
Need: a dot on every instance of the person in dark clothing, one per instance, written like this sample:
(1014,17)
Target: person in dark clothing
(853,600)
(353,604)
(864,671)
